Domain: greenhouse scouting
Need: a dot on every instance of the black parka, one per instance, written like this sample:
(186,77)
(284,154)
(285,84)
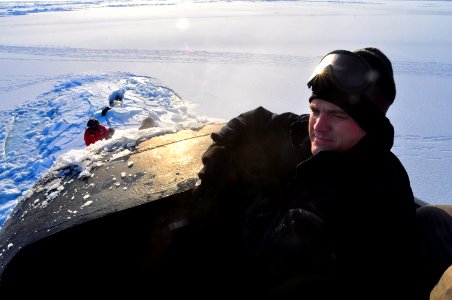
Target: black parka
(330,226)
(364,199)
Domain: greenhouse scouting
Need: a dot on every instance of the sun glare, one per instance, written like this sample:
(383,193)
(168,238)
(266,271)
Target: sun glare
(182,24)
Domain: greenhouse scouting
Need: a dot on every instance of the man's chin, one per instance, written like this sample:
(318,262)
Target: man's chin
(315,149)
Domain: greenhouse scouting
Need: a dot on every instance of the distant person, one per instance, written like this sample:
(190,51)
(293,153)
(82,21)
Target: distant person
(95,132)
(116,98)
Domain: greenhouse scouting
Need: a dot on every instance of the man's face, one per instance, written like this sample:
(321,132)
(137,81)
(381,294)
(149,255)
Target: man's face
(331,128)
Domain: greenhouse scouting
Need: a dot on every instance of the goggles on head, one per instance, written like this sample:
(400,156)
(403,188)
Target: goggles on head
(346,70)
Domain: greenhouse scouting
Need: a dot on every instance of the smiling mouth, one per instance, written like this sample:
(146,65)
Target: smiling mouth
(321,140)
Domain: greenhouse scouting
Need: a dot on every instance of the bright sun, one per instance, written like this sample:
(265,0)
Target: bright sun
(182,24)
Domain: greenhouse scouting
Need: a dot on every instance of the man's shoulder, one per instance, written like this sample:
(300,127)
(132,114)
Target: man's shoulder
(386,159)
(384,170)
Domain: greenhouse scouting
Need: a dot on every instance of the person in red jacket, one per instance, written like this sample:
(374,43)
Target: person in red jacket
(95,132)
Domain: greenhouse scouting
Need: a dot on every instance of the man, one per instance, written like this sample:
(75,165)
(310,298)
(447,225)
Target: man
(345,226)
(96,132)
(350,213)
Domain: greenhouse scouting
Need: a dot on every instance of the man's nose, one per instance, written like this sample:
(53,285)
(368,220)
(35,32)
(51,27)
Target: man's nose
(322,122)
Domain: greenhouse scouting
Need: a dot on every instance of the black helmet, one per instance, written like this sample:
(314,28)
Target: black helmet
(92,123)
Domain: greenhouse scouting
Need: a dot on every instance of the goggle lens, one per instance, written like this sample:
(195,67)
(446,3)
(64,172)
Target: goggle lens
(347,70)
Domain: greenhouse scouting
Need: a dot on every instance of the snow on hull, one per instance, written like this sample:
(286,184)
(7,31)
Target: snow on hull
(34,136)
